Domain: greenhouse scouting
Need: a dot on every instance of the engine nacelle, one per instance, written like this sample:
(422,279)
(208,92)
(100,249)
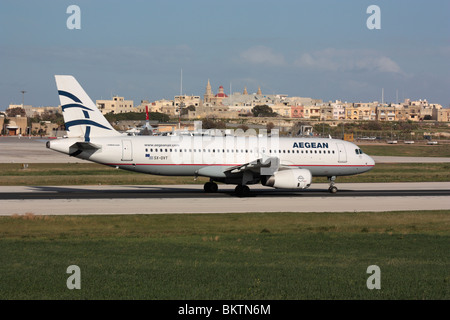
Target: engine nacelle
(290,179)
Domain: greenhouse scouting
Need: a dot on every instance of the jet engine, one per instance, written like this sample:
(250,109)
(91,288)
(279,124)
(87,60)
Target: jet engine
(289,179)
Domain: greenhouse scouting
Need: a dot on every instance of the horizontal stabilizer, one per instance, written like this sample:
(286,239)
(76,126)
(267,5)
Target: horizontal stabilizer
(78,147)
(85,146)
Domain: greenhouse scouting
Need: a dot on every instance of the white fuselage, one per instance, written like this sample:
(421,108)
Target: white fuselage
(211,155)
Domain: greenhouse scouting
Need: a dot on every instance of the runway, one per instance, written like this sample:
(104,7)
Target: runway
(79,200)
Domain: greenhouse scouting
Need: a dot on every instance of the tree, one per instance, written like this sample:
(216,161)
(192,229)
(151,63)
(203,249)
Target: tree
(16,112)
(263,111)
(244,127)
(269,127)
(210,123)
(113,117)
(185,111)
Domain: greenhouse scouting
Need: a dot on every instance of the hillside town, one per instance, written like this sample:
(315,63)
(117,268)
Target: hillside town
(238,107)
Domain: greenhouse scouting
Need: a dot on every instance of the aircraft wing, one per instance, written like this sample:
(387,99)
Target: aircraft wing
(262,166)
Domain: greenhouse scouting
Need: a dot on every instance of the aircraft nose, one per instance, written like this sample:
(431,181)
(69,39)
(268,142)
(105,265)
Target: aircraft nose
(369,161)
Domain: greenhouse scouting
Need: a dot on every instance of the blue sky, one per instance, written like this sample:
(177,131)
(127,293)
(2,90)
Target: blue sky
(136,49)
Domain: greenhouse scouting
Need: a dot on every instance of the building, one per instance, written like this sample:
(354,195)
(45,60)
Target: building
(338,110)
(44,128)
(185,101)
(116,105)
(311,112)
(209,98)
(441,115)
(13,126)
(326,112)
(297,111)
(386,113)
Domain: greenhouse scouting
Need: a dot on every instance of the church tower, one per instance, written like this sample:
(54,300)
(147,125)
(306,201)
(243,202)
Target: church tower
(245,91)
(208,93)
(259,93)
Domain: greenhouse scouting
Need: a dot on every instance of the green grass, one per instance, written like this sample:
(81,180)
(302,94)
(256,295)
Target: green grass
(81,174)
(399,172)
(227,256)
(442,150)
(93,174)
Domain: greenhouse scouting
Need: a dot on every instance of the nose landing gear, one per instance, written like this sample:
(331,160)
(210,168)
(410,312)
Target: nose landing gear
(332,188)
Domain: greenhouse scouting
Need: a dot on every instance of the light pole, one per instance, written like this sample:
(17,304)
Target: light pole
(23,98)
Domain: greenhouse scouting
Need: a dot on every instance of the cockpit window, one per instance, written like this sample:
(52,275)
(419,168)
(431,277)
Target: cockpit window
(358,151)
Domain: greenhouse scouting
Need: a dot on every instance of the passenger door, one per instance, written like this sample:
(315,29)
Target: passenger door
(342,154)
(127,150)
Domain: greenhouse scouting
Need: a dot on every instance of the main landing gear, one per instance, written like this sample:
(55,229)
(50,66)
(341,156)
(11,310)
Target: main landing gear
(210,187)
(242,190)
(332,188)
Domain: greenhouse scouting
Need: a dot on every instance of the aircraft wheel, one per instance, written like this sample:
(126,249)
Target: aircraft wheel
(242,191)
(333,189)
(210,187)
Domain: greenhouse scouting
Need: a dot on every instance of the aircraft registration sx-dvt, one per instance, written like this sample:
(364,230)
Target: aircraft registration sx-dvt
(279,162)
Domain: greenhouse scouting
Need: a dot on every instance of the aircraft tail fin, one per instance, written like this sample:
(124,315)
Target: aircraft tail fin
(81,116)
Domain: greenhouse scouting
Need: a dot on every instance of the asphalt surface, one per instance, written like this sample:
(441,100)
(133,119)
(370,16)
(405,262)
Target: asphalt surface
(225,192)
(185,199)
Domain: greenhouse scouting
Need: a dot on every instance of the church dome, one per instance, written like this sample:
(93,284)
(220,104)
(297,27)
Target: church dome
(221,94)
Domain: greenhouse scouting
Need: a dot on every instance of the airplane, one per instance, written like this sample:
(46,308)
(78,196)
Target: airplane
(146,129)
(273,161)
